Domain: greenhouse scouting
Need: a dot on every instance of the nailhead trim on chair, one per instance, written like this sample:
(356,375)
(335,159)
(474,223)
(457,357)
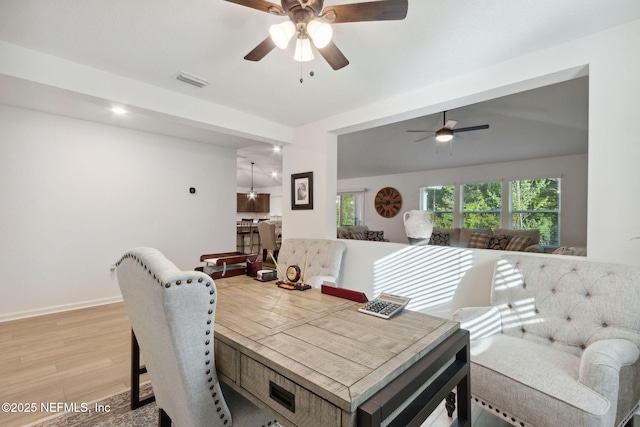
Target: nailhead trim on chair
(510,418)
(208,331)
(207,362)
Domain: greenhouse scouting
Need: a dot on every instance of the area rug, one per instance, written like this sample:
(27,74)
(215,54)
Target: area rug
(119,413)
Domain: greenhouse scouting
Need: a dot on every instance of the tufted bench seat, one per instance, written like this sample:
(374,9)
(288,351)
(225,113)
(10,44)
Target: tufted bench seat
(323,258)
(559,345)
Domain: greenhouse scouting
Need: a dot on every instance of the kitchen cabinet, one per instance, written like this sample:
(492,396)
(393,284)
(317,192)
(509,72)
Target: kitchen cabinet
(260,204)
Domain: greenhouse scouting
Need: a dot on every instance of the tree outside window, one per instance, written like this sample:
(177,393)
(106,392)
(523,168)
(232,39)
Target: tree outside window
(349,209)
(535,204)
(440,200)
(481,205)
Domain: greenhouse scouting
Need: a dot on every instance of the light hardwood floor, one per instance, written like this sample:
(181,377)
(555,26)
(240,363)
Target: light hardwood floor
(75,356)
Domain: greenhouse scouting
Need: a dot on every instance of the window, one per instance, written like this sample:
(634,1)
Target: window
(535,204)
(529,204)
(349,208)
(439,200)
(481,205)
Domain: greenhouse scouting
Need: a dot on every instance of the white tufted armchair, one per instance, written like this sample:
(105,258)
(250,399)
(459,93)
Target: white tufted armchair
(559,346)
(172,313)
(323,258)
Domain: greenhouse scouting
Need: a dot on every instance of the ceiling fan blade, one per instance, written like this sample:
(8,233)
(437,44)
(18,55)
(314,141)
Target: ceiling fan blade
(422,139)
(261,50)
(262,5)
(334,56)
(450,124)
(388,10)
(471,128)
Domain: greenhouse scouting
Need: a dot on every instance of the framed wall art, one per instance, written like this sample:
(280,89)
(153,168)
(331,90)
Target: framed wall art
(302,191)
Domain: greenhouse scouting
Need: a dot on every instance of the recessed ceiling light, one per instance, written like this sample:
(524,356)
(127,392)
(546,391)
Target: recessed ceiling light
(277,148)
(274,174)
(119,110)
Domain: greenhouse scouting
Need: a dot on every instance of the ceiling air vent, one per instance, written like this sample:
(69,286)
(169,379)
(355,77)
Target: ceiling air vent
(192,80)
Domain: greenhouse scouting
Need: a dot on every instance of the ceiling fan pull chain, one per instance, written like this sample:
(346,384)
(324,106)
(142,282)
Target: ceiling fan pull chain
(301,79)
(311,73)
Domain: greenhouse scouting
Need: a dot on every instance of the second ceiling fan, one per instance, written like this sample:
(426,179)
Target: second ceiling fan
(310,22)
(447,132)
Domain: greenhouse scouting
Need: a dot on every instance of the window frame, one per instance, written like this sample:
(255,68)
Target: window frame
(556,212)
(358,197)
(498,212)
(424,201)
(505,213)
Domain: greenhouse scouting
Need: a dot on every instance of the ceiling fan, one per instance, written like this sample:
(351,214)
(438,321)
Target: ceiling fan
(447,132)
(311,23)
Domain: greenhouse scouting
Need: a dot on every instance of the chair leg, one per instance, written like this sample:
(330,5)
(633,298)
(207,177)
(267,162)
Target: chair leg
(163,418)
(136,371)
(450,403)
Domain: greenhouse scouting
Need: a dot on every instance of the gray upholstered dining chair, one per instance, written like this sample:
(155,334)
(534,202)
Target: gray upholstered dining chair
(172,313)
(268,238)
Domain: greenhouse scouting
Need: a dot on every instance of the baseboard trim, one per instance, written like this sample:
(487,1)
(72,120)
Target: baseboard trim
(58,309)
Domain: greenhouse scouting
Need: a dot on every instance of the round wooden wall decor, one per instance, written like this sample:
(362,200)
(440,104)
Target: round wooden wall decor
(388,202)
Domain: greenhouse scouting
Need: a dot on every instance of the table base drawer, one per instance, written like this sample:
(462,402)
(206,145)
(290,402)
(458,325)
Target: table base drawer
(294,402)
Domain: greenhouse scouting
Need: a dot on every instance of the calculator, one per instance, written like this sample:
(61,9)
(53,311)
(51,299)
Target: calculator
(385,305)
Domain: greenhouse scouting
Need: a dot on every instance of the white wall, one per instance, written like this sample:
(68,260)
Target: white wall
(613,63)
(314,151)
(572,170)
(76,195)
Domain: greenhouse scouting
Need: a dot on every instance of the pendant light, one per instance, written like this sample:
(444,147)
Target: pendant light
(251,194)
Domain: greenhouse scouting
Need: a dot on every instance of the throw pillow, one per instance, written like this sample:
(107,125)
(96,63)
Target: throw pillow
(344,234)
(377,236)
(439,238)
(357,235)
(518,243)
(479,240)
(499,242)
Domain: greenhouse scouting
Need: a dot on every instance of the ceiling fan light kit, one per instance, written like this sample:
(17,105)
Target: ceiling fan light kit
(282,33)
(303,50)
(320,33)
(444,135)
(447,132)
(312,23)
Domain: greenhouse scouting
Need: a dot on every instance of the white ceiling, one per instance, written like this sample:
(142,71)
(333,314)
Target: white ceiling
(152,40)
(545,122)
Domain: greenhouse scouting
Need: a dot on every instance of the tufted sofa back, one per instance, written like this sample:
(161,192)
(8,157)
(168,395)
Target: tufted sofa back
(567,303)
(323,258)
